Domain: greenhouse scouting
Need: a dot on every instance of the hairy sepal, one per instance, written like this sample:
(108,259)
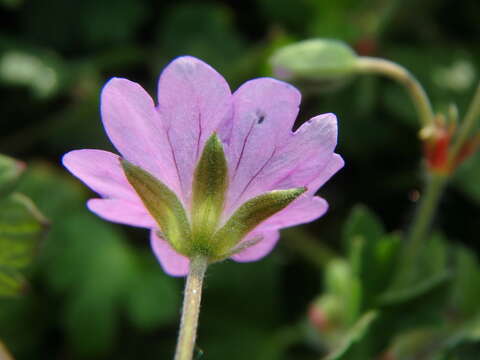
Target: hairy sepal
(163,205)
(249,215)
(209,186)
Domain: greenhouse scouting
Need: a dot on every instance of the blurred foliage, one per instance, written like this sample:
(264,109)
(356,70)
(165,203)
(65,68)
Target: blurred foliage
(21,225)
(95,290)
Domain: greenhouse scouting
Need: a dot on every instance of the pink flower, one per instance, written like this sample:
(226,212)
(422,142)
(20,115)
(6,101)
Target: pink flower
(167,140)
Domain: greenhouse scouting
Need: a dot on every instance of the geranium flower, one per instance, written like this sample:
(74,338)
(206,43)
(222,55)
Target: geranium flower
(207,170)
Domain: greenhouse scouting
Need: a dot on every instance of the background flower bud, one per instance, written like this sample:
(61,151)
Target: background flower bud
(322,60)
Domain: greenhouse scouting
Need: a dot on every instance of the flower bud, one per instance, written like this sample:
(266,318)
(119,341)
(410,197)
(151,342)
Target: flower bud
(315,59)
(325,314)
(438,144)
(436,148)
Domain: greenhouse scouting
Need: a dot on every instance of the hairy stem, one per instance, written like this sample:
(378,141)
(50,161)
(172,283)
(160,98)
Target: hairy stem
(191,308)
(468,123)
(371,65)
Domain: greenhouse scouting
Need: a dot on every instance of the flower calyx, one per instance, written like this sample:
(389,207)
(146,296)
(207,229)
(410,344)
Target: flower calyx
(200,228)
(438,144)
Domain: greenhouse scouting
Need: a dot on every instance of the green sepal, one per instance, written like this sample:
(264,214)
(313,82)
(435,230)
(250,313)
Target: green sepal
(249,215)
(209,186)
(163,205)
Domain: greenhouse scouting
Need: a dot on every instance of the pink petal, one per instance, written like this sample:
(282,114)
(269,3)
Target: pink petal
(310,150)
(172,263)
(336,163)
(257,251)
(298,163)
(303,210)
(134,127)
(122,211)
(265,110)
(193,100)
(101,171)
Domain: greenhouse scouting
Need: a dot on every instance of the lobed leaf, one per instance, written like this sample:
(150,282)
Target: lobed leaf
(10,170)
(21,224)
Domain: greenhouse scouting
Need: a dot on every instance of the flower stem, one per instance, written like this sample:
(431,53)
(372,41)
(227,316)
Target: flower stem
(191,308)
(467,124)
(425,213)
(371,65)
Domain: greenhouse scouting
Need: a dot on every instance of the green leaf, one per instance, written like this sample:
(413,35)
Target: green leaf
(163,205)
(372,254)
(374,263)
(249,215)
(432,272)
(10,170)
(209,186)
(360,331)
(410,344)
(346,288)
(434,256)
(420,288)
(12,283)
(21,224)
(362,222)
(466,283)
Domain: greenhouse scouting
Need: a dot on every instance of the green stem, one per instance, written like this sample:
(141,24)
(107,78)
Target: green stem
(371,65)
(191,308)
(467,124)
(426,210)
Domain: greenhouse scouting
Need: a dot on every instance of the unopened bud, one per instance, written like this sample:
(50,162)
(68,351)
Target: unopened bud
(325,313)
(314,59)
